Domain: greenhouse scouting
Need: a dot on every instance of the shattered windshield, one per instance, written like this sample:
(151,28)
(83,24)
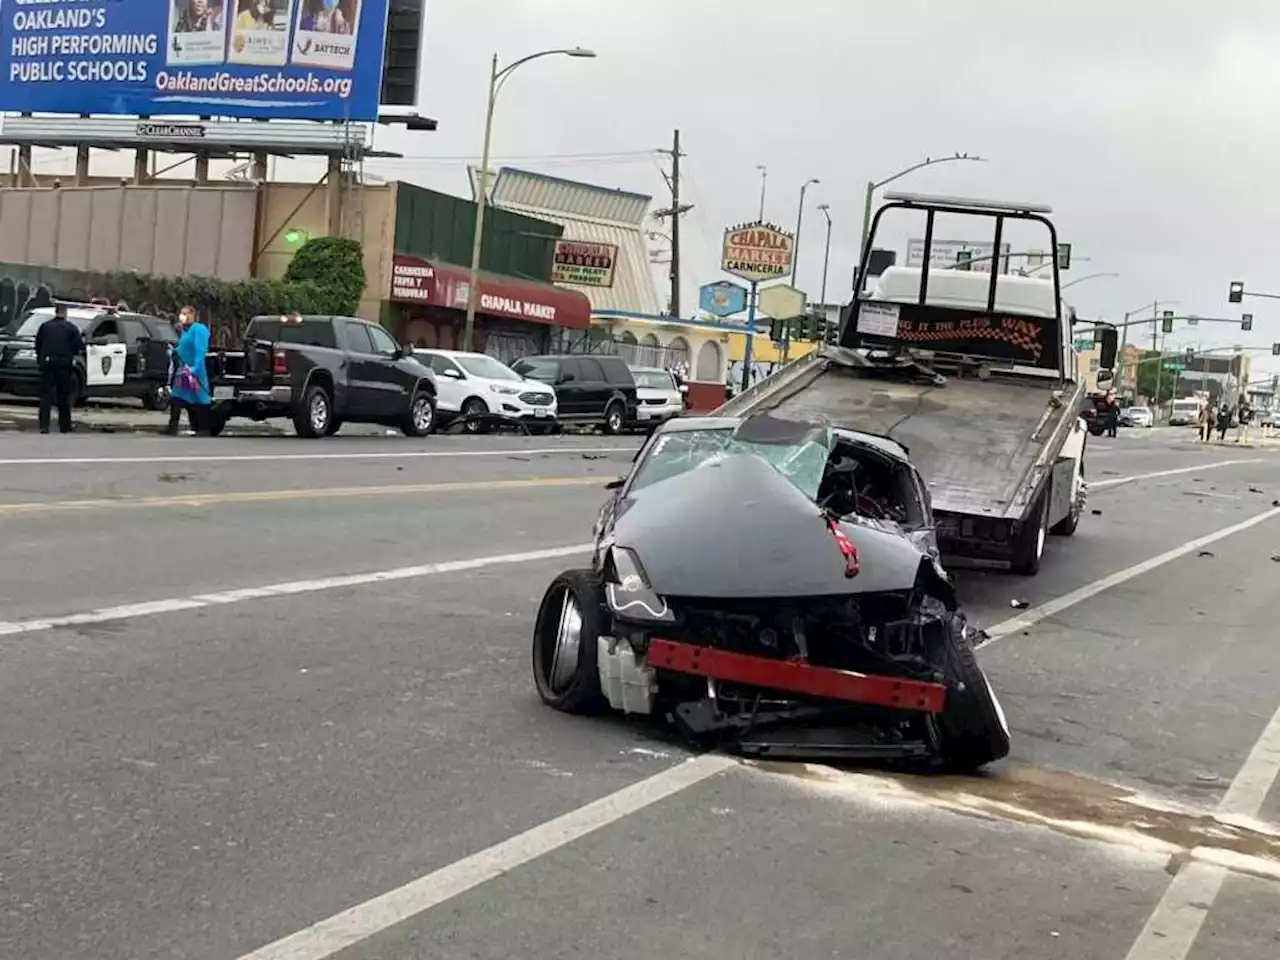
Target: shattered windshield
(672,454)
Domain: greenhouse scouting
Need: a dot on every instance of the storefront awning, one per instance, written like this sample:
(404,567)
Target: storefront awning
(438,284)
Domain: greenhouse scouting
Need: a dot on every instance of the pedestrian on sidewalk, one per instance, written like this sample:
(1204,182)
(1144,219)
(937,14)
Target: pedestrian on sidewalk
(1224,422)
(1208,418)
(191,384)
(1245,417)
(58,343)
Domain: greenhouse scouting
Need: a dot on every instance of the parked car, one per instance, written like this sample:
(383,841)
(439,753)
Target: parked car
(1136,417)
(658,396)
(127,355)
(589,389)
(473,386)
(321,372)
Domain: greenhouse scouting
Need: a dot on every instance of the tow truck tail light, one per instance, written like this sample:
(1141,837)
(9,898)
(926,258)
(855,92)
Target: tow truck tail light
(279,366)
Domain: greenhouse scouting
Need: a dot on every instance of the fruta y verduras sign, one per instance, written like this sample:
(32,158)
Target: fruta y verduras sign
(757,252)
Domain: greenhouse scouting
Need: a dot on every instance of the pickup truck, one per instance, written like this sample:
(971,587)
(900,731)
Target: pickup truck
(975,374)
(321,372)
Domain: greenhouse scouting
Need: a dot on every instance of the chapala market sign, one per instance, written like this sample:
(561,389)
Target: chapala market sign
(584,264)
(757,252)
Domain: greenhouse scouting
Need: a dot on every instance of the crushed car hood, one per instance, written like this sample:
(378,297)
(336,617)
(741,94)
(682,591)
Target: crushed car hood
(737,528)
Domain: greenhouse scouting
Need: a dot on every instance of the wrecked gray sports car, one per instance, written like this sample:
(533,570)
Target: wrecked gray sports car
(774,585)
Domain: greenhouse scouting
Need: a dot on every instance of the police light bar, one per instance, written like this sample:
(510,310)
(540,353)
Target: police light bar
(971,203)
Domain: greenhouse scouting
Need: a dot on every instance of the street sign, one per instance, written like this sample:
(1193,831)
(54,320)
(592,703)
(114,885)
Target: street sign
(781,301)
(1175,367)
(1084,344)
(757,251)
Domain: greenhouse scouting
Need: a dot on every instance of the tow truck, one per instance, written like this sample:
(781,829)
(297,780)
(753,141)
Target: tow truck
(974,373)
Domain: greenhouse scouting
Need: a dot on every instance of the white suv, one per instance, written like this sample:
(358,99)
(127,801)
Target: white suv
(473,384)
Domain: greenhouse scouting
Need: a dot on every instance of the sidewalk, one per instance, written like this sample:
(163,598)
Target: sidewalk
(125,419)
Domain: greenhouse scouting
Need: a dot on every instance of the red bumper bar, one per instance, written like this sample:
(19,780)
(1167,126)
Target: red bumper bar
(803,678)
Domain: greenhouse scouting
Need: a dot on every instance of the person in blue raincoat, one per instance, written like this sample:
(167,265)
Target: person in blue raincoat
(191,382)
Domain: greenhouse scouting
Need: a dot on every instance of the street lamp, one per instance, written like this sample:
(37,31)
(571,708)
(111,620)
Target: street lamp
(826,259)
(1091,276)
(874,185)
(496,79)
(764,182)
(795,249)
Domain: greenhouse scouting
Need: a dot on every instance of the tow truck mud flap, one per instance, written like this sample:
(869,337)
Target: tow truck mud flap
(1062,491)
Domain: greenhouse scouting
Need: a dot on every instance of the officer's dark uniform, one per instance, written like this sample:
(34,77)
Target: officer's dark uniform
(58,343)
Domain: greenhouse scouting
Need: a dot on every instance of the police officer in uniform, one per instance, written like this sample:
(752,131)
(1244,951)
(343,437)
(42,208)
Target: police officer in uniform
(58,343)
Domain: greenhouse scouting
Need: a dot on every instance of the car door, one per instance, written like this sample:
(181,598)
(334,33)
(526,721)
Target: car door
(105,356)
(154,345)
(363,395)
(594,389)
(392,377)
(451,383)
(570,389)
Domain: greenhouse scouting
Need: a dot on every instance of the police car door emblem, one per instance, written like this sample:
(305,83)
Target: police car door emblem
(106,364)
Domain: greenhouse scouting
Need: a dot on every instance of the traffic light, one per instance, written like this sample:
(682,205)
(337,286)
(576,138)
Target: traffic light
(1246,321)
(1235,292)
(777,330)
(813,327)
(1064,256)
(963,258)
(1193,321)
(1275,349)
(1189,356)
(1166,322)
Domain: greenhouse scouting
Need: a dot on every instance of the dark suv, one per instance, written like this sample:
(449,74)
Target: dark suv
(589,389)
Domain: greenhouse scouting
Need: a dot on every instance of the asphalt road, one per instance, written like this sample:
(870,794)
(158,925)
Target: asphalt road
(298,686)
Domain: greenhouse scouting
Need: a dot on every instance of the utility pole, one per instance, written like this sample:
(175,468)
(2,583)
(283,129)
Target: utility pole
(675,212)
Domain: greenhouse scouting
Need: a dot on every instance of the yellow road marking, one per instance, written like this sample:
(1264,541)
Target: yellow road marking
(266,496)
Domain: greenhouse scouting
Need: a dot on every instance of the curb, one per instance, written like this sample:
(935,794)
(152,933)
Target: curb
(82,425)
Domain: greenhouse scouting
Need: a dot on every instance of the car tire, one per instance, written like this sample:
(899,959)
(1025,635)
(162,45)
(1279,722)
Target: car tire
(421,418)
(615,418)
(334,426)
(1032,538)
(971,731)
(567,626)
(1067,525)
(314,417)
(472,414)
(217,423)
(155,398)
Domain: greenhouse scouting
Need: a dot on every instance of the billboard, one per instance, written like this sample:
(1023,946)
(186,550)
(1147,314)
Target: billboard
(722,298)
(945,253)
(757,251)
(583,263)
(269,59)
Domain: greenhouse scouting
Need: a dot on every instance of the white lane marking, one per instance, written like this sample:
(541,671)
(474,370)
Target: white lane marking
(1049,608)
(1249,790)
(1171,930)
(276,457)
(156,607)
(344,930)
(1136,478)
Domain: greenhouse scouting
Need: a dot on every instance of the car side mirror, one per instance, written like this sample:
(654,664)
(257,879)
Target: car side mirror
(1104,377)
(453,374)
(615,484)
(564,378)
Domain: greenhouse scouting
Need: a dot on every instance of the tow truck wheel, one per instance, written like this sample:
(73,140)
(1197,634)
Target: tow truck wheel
(313,417)
(1032,537)
(156,397)
(1067,525)
(972,730)
(564,643)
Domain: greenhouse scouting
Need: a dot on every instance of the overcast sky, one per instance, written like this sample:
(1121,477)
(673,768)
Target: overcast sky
(1148,125)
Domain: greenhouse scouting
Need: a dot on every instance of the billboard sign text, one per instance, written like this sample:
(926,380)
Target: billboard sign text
(757,251)
(584,264)
(284,59)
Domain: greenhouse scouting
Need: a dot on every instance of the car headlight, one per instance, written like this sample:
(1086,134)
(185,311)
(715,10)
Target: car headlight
(628,590)
(505,391)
